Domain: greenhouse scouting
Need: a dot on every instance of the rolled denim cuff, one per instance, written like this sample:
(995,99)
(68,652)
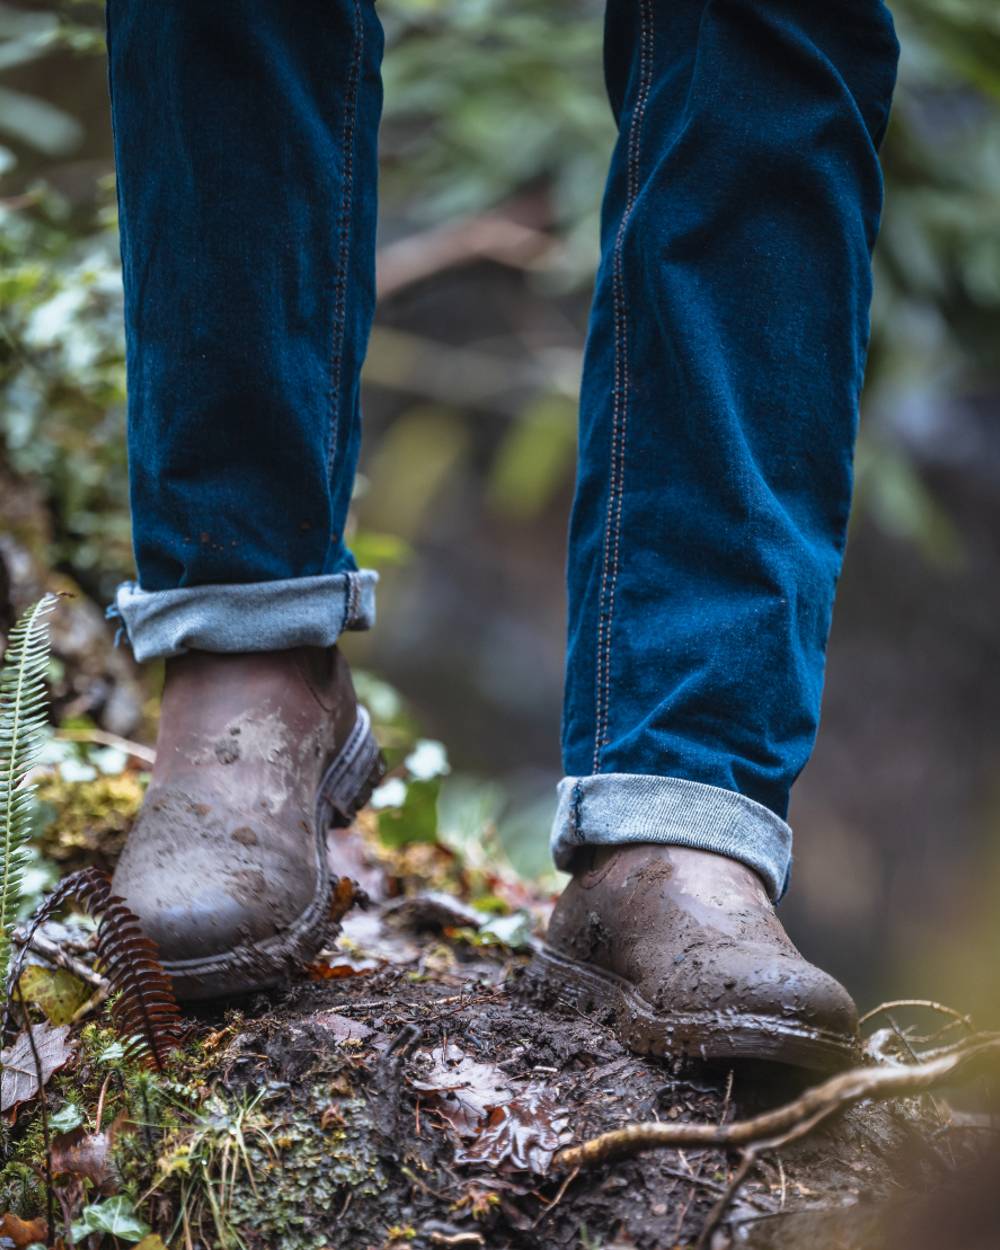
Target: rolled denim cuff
(252,616)
(615,808)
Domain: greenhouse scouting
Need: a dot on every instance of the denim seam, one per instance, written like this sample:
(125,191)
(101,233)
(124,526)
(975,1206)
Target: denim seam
(620,398)
(575,821)
(351,600)
(344,246)
(615,809)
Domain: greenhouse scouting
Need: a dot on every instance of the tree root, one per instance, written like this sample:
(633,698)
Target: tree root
(775,1127)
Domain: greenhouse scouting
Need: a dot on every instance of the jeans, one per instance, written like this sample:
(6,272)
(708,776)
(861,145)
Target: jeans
(720,391)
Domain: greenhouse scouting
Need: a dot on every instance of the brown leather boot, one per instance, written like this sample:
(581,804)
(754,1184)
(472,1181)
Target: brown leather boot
(226,866)
(681,950)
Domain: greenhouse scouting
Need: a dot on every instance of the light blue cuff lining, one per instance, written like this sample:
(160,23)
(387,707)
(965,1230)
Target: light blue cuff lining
(612,808)
(254,616)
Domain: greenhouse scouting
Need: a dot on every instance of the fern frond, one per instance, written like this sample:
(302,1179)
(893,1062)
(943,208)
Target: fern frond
(143,1008)
(23,723)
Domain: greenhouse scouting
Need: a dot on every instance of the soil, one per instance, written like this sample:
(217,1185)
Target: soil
(352,1077)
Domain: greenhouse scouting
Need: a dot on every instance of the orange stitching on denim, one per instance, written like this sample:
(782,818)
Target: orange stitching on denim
(619,414)
(344,246)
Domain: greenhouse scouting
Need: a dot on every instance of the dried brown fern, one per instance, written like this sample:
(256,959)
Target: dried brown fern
(143,1008)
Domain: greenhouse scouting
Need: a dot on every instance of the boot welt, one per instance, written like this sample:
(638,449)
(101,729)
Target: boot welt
(720,1034)
(345,788)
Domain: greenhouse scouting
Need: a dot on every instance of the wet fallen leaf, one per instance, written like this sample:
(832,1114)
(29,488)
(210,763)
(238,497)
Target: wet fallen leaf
(464,1090)
(57,992)
(86,1155)
(340,1027)
(523,1134)
(20,1080)
(23,1232)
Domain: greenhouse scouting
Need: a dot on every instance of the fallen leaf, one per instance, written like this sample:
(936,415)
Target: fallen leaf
(86,1155)
(153,1242)
(344,893)
(513,931)
(57,992)
(464,1090)
(523,1134)
(20,1080)
(341,1028)
(334,972)
(23,1232)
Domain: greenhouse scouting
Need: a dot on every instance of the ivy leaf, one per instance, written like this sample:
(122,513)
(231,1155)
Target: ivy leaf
(115,1215)
(66,1119)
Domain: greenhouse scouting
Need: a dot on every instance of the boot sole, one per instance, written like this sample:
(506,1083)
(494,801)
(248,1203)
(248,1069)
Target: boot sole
(346,787)
(559,981)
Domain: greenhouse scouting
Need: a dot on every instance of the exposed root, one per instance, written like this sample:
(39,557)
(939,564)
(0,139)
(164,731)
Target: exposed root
(814,1106)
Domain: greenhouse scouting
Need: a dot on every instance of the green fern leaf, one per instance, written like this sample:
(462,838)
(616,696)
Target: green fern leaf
(23,724)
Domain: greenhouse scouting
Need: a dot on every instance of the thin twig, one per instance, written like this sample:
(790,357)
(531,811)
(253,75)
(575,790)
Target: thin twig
(890,1081)
(929,1003)
(748,1160)
(55,954)
(551,1206)
(43,1106)
(102,738)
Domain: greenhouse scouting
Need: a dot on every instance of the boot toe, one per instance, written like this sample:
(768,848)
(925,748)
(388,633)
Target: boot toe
(200,898)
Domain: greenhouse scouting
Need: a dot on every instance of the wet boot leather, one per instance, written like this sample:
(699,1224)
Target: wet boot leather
(226,866)
(681,950)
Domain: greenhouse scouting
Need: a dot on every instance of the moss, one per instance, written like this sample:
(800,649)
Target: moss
(93,817)
(308,1173)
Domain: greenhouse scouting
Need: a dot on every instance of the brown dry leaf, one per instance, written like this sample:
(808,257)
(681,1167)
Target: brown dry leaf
(333,972)
(86,1155)
(464,1090)
(344,893)
(522,1134)
(19,1081)
(23,1232)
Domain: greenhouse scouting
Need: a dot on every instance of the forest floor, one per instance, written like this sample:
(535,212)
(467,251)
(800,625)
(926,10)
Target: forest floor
(408,1092)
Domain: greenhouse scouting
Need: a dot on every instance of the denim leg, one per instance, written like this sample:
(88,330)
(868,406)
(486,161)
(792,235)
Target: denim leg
(245,143)
(720,399)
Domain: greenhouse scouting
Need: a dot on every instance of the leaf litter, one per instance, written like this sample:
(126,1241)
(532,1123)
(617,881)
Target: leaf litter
(20,1080)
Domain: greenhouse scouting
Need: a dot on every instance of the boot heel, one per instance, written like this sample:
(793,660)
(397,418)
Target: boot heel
(351,778)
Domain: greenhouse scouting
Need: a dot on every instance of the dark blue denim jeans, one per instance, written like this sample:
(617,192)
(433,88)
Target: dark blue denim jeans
(720,393)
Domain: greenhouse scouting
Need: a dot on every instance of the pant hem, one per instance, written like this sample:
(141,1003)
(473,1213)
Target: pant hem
(254,616)
(617,808)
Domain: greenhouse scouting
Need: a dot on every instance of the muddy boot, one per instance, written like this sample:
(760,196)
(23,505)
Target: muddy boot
(226,865)
(681,951)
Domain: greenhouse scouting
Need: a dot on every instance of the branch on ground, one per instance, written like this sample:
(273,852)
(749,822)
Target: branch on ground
(814,1106)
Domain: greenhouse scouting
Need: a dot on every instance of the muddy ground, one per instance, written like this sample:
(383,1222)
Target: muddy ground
(375,1083)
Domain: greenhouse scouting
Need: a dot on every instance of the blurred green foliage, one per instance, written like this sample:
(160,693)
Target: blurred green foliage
(486,102)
